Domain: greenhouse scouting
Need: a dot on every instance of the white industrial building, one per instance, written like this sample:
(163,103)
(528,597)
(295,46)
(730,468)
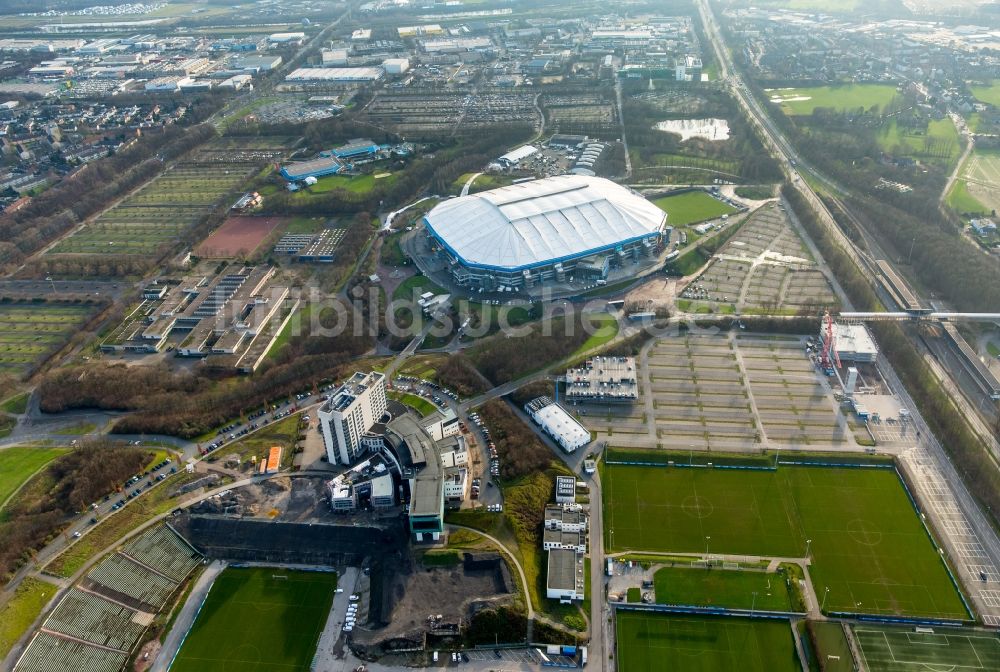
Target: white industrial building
(565,538)
(350,413)
(286,38)
(236,82)
(557,423)
(853,342)
(396,66)
(565,579)
(550,229)
(168,84)
(334,58)
(336,75)
(515,156)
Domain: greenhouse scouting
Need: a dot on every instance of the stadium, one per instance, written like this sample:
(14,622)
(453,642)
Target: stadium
(569,228)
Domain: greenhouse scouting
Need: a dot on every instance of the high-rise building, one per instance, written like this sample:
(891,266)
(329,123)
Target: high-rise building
(351,412)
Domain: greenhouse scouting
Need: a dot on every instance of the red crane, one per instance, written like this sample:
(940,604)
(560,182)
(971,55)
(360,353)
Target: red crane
(829,347)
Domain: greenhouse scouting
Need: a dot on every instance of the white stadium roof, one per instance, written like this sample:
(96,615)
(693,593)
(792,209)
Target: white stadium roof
(543,221)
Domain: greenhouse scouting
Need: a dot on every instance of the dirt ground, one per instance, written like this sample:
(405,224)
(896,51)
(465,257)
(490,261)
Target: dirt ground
(290,500)
(146,656)
(419,592)
(239,235)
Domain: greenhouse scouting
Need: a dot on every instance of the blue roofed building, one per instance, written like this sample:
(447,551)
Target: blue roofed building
(357,148)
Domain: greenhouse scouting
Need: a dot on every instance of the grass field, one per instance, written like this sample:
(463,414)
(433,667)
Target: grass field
(254,622)
(17,465)
(797,101)
(722,588)
(691,207)
(978,188)
(29,332)
(413,287)
(419,404)
(832,648)
(987,94)
(940,144)
(17,404)
(604,328)
(903,650)
(867,543)
(704,644)
(960,200)
(21,610)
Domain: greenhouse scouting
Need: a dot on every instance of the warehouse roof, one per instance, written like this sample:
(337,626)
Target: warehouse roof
(543,221)
(569,433)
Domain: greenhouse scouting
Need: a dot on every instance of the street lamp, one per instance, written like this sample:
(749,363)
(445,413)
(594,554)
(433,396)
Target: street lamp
(825,593)
(808,547)
(707,539)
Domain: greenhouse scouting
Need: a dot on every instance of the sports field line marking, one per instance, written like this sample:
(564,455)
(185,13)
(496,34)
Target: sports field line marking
(928,666)
(236,660)
(909,638)
(974,651)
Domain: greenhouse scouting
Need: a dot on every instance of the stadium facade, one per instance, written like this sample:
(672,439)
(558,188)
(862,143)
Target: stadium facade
(570,227)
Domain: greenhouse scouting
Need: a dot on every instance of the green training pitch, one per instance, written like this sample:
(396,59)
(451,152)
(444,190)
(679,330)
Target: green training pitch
(796,101)
(253,621)
(691,207)
(713,587)
(868,546)
(646,641)
(903,650)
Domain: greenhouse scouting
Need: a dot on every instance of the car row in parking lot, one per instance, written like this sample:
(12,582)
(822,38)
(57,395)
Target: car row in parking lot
(494,456)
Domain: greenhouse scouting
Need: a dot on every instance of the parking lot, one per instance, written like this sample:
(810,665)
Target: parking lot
(737,392)
(410,113)
(794,402)
(765,265)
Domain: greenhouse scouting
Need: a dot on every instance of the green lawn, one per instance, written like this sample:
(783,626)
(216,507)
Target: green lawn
(839,97)
(357,184)
(419,404)
(691,207)
(77,430)
(17,404)
(302,224)
(940,143)
(646,641)
(887,649)
(715,587)
(21,610)
(987,94)
(960,200)
(832,649)
(254,622)
(868,545)
(604,327)
(17,465)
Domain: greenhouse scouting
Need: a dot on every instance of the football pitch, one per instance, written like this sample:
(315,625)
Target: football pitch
(646,642)
(869,552)
(899,650)
(253,621)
